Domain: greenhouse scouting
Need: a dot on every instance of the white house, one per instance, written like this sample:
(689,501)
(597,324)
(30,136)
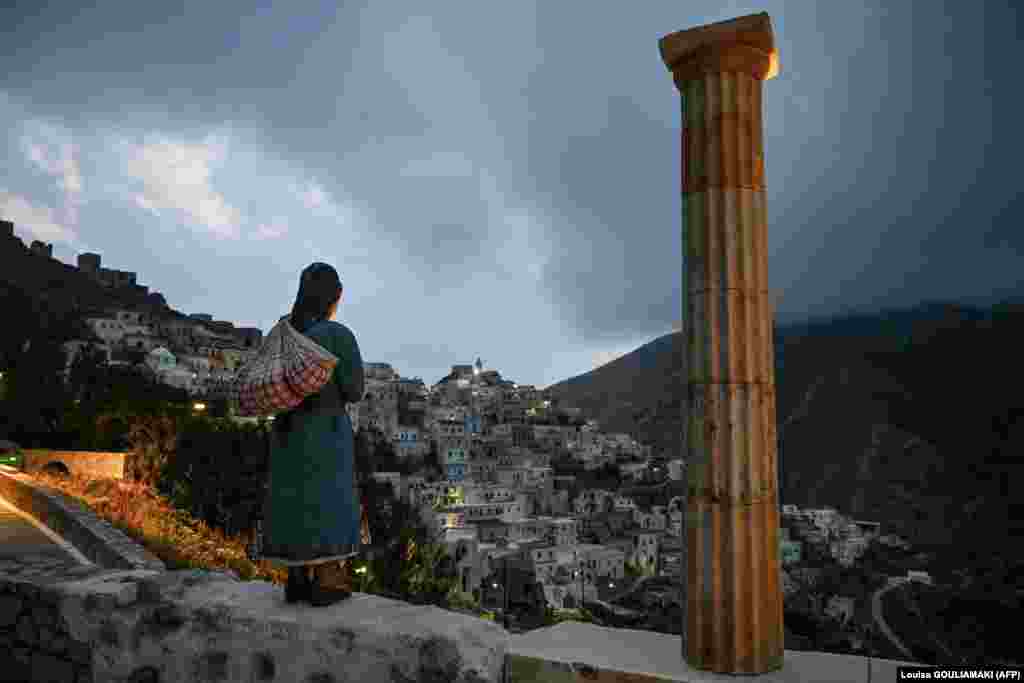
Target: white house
(511,475)
(676,469)
(464,548)
(161,359)
(624,504)
(633,470)
(601,561)
(646,548)
(133,322)
(653,520)
(165,366)
(179,378)
(562,530)
(107,329)
(73,348)
(139,341)
(199,364)
(593,501)
(919,577)
(181,332)
(824,518)
(476,494)
(539,476)
(407,438)
(840,608)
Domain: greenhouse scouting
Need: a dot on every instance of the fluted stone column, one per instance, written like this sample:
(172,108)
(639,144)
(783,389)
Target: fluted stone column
(732,617)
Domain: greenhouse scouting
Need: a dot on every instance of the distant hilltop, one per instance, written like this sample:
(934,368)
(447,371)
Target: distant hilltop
(60,282)
(88,263)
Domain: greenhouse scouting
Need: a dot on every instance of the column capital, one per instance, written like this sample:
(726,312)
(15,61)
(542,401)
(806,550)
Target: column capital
(744,45)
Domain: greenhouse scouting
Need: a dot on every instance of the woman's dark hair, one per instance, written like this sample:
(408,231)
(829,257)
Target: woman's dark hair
(319,287)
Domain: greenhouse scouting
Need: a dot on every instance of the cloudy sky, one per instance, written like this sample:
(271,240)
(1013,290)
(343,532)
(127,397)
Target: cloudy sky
(501,178)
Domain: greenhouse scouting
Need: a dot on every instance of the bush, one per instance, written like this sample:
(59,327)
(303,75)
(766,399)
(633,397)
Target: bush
(457,599)
(554,616)
(176,537)
(217,473)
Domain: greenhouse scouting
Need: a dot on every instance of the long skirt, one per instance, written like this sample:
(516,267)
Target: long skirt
(313,511)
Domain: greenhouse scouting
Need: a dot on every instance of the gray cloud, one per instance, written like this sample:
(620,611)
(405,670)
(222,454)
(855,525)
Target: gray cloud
(534,152)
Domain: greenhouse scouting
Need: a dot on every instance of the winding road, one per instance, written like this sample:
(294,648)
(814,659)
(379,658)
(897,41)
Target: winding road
(876,611)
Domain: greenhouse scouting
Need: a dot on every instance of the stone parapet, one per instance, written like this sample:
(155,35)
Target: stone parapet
(95,538)
(89,624)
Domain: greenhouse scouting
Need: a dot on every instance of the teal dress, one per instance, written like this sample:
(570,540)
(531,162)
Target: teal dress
(312,512)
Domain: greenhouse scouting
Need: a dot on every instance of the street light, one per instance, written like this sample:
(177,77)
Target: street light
(199,407)
(361,571)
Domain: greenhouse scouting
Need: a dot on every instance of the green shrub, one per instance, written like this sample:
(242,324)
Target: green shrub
(556,616)
(13,458)
(458,599)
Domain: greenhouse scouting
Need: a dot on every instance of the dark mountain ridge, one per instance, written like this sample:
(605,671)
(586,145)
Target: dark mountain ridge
(910,417)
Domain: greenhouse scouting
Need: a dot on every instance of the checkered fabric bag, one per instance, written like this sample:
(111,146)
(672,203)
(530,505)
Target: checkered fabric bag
(288,367)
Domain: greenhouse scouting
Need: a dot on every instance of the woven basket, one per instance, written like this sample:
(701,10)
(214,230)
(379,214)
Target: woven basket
(288,367)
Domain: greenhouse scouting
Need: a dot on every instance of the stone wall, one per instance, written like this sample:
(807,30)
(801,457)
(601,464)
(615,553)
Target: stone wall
(108,465)
(35,644)
(127,619)
(77,624)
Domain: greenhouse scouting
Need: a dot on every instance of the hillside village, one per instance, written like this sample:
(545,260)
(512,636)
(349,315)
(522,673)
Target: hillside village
(523,528)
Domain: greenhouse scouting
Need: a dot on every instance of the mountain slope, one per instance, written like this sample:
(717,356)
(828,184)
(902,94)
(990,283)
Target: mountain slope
(638,393)
(911,418)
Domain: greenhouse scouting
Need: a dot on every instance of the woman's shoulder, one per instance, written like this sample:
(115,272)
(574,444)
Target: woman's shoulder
(334,328)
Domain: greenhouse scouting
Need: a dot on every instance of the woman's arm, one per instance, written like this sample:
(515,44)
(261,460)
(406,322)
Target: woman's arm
(349,371)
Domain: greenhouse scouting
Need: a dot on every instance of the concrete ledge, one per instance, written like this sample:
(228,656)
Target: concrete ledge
(571,652)
(109,625)
(93,537)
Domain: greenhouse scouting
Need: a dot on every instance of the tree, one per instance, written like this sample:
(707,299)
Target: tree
(87,374)
(153,440)
(407,559)
(363,454)
(35,396)
(384,457)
